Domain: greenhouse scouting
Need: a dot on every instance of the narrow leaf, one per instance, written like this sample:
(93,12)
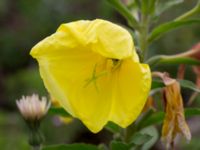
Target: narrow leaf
(189,85)
(140,138)
(123,10)
(114,128)
(175,60)
(169,26)
(116,145)
(157,84)
(189,112)
(181,60)
(156,118)
(148,6)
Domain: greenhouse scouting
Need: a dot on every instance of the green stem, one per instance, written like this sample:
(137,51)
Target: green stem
(190,13)
(36,137)
(143,35)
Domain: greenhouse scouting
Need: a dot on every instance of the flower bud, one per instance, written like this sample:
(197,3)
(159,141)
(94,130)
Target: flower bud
(32,108)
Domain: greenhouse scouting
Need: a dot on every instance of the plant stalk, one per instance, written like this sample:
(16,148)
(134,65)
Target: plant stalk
(143,35)
(143,46)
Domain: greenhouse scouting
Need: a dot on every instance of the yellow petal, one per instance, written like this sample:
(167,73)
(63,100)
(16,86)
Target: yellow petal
(98,35)
(91,102)
(106,38)
(112,41)
(61,62)
(131,86)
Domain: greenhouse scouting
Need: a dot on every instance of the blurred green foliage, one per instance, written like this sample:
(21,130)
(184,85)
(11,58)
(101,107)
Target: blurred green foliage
(25,22)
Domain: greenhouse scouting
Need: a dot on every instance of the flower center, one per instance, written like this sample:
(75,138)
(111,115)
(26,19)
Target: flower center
(115,61)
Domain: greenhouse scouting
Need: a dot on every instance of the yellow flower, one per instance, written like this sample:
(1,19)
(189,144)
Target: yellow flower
(92,68)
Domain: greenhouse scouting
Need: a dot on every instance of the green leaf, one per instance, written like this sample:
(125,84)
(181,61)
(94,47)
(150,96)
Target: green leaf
(174,59)
(153,132)
(144,116)
(152,6)
(157,84)
(140,138)
(155,118)
(169,26)
(58,111)
(112,127)
(71,147)
(189,112)
(189,85)
(124,11)
(148,6)
(180,60)
(117,145)
(144,6)
(163,6)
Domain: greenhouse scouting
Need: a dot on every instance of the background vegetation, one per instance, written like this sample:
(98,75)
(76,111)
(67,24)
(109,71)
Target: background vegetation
(25,22)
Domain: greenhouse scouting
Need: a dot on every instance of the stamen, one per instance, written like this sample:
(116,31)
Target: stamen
(111,65)
(95,77)
(116,63)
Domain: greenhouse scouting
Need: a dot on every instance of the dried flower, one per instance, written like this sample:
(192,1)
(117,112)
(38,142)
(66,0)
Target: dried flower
(174,121)
(32,108)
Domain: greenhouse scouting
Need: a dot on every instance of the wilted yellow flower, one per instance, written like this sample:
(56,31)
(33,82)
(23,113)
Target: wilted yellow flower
(174,121)
(32,108)
(92,68)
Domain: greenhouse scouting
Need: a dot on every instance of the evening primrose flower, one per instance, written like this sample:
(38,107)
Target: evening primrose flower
(32,108)
(92,68)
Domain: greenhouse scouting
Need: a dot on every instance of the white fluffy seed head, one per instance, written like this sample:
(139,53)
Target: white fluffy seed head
(32,108)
